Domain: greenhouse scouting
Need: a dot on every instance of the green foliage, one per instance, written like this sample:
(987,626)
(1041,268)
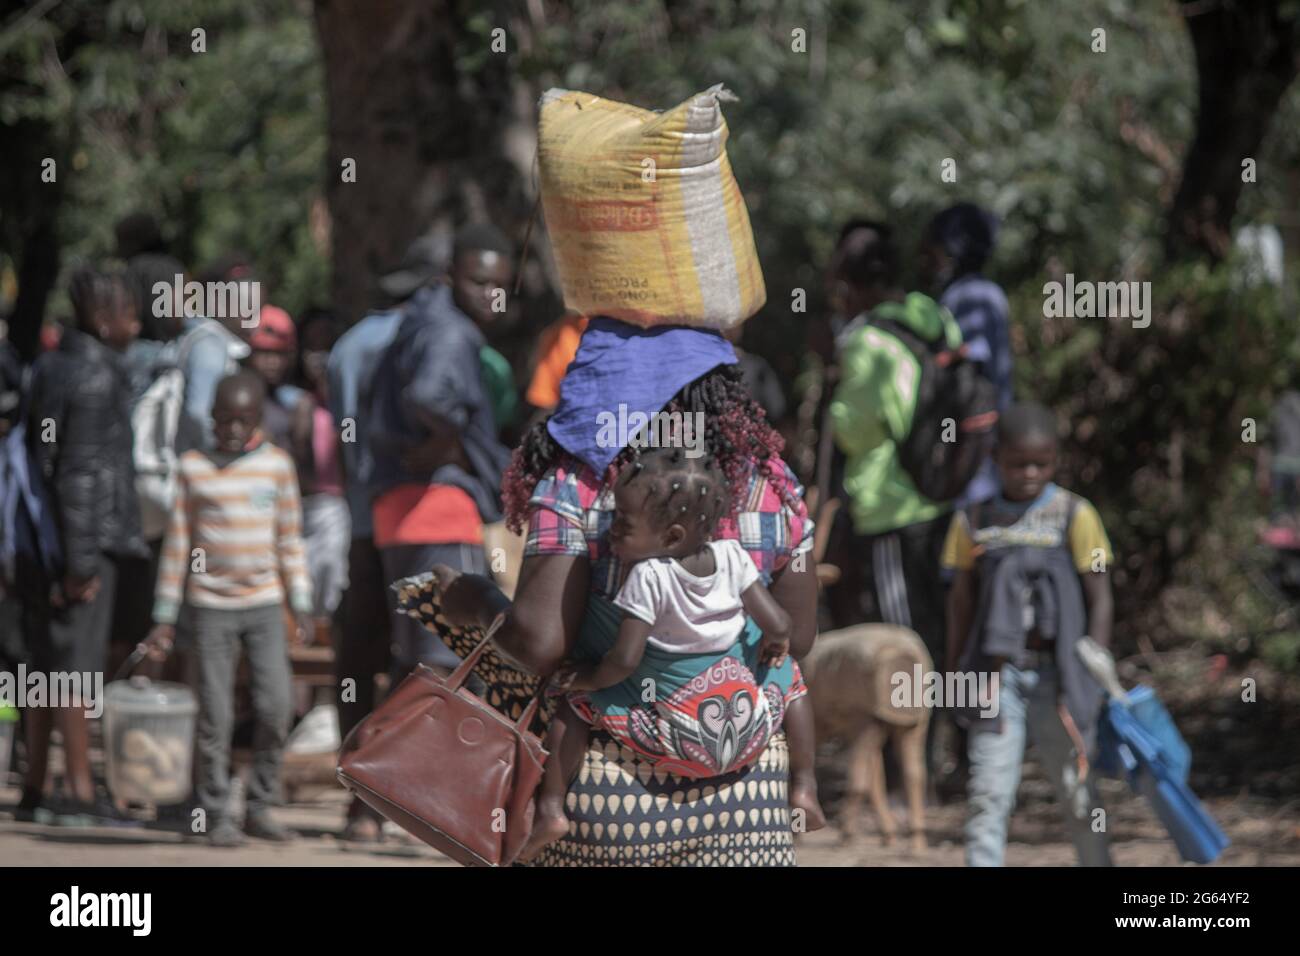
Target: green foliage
(226,146)
(1078,151)
(1224,600)
(1155,415)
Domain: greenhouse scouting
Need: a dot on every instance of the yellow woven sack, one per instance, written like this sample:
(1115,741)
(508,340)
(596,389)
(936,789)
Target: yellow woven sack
(645,217)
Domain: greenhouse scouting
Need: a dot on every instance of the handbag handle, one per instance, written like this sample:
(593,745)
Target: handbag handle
(461,674)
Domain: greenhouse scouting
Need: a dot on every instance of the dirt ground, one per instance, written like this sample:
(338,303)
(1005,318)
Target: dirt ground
(1232,743)
(1262,833)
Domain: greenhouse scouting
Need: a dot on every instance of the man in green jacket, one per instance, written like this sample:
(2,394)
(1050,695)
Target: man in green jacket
(896,532)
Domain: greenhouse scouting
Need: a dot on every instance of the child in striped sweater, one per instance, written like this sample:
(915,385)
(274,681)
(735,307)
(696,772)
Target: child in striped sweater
(233,544)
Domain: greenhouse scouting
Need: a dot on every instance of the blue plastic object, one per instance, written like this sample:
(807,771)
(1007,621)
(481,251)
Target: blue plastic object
(1150,713)
(1137,739)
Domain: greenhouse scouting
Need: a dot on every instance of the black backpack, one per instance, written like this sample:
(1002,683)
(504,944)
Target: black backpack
(953,400)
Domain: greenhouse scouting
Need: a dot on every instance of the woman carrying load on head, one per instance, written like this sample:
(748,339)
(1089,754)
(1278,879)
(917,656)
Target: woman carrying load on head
(624,809)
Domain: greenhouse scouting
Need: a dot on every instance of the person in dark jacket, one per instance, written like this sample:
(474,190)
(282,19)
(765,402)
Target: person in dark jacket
(79,433)
(437,460)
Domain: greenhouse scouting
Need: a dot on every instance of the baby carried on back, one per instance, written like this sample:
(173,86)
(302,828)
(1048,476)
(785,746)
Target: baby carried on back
(685,601)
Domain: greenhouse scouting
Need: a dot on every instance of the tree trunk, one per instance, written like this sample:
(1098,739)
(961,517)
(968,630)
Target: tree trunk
(1246,57)
(428,112)
(30,229)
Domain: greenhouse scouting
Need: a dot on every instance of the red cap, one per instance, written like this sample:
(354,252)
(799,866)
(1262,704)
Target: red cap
(274,331)
(50,336)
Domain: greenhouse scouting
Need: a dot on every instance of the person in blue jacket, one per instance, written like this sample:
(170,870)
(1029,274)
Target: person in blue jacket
(957,244)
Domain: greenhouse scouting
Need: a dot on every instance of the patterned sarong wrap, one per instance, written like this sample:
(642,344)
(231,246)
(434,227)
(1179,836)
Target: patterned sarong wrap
(695,715)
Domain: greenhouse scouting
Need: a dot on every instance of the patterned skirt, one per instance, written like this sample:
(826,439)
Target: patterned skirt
(623,811)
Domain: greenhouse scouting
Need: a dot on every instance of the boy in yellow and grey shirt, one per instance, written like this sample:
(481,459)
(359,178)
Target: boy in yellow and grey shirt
(1030,582)
(233,544)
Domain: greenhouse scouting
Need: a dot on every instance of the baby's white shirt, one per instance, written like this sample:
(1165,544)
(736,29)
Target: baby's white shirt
(690,614)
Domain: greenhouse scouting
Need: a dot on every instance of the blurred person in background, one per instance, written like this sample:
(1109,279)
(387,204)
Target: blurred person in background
(326,525)
(27,528)
(760,377)
(1029,584)
(79,434)
(238,507)
(146,273)
(499,380)
(154,352)
(821,462)
(212,349)
(363,646)
(138,233)
(555,350)
(895,534)
(274,353)
(433,432)
(958,242)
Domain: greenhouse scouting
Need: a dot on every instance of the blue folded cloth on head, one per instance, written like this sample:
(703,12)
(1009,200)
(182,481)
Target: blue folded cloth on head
(629,373)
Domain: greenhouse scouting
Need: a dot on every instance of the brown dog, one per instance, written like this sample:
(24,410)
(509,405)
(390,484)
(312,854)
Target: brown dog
(849,674)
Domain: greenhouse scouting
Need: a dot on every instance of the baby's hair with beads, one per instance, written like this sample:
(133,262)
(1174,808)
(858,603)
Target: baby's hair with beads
(681,490)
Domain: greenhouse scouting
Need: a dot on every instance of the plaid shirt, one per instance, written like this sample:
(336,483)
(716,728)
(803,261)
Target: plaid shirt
(571,512)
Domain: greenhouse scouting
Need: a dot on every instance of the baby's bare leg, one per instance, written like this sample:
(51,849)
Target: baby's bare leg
(806,810)
(567,741)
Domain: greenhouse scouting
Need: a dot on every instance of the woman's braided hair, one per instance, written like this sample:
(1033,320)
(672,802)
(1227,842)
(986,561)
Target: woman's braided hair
(737,438)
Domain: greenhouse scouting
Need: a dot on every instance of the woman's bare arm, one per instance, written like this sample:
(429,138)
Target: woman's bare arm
(541,625)
(795,589)
(770,616)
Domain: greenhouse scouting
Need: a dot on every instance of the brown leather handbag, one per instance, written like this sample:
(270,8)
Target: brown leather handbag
(447,767)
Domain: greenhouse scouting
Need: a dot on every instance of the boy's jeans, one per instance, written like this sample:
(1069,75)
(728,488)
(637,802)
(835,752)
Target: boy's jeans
(217,637)
(1027,702)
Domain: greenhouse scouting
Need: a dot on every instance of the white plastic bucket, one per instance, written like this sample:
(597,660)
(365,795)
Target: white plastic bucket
(149,740)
